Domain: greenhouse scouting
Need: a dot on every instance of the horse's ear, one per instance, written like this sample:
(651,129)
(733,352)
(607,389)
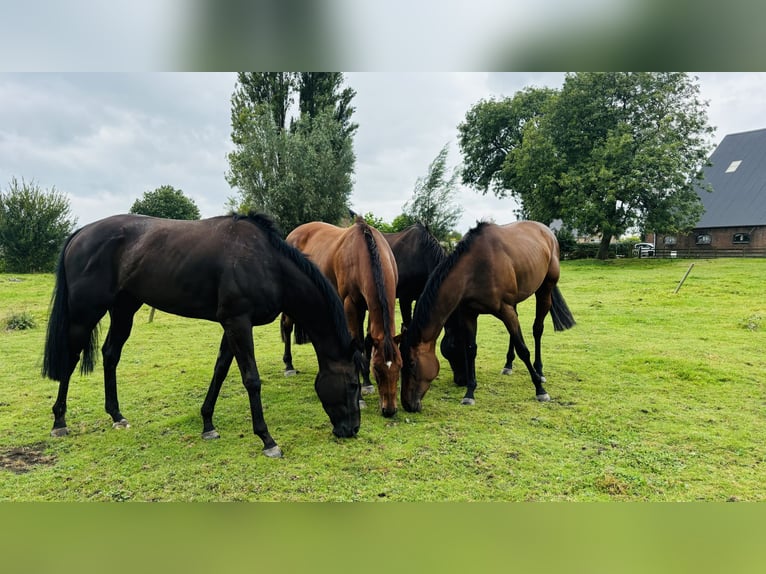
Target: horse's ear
(398,338)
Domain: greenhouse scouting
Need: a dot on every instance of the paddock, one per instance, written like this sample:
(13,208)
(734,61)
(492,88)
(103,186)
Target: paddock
(655,396)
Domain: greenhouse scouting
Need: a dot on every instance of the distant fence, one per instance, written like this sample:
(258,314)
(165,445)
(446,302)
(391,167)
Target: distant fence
(590,251)
(710,253)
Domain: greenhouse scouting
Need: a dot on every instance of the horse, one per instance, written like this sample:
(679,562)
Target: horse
(235,270)
(491,270)
(417,253)
(360,265)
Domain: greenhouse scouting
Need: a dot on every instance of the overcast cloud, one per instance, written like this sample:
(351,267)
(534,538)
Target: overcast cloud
(105,139)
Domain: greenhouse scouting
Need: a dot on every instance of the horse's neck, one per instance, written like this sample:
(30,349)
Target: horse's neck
(448,298)
(307,305)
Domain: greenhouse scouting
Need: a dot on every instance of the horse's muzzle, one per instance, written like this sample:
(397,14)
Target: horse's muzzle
(345,431)
(412,407)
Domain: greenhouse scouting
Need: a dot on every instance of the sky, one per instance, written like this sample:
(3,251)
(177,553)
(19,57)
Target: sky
(104,139)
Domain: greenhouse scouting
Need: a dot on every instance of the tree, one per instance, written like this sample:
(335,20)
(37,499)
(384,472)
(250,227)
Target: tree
(610,152)
(433,200)
(298,173)
(492,129)
(33,225)
(167,202)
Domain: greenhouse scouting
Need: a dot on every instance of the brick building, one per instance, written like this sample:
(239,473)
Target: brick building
(734,222)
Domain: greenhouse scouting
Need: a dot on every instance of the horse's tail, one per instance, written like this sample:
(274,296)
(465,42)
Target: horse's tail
(560,313)
(301,336)
(57,356)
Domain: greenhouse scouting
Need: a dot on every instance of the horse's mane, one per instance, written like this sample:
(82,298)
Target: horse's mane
(431,244)
(274,235)
(389,348)
(427,298)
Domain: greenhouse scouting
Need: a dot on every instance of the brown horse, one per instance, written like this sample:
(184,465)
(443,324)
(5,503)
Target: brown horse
(358,262)
(235,270)
(492,269)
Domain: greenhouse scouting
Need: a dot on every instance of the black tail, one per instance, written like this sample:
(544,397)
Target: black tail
(57,358)
(301,336)
(560,313)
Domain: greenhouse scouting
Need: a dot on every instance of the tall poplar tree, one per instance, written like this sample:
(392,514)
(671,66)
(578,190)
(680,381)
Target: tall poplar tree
(295,168)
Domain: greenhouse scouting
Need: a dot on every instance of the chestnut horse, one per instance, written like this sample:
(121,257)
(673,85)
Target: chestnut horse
(359,263)
(235,270)
(493,268)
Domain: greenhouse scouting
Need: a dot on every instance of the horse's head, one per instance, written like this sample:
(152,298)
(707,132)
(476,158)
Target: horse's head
(337,385)
(386,367)
(420,368)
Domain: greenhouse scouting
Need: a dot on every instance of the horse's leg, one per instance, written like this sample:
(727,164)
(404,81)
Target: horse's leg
(239,333)
(286,328)
(543,305)
(121,315)
(405,306)
(79,337)
(470,323)
(509,356)
(221,369)
(511,320)
(355,319)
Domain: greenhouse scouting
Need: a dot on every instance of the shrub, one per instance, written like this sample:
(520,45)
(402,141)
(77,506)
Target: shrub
(20,321)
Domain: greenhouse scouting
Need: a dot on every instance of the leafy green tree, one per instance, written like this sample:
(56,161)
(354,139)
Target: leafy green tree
(298,173)
(433,200)
(33,225)
(377,222)
(167,202)
(491,130)
(609,152)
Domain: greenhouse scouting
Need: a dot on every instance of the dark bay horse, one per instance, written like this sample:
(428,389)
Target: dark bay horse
(235,270)
(359,263)
(417,253)
(493,268)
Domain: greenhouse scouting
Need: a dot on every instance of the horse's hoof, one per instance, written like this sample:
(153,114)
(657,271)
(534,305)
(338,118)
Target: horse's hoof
(362,404)
(121,424)
(467,401)
(273,452)
(290,372)
(368,389)
(543,398)
(543,379)
(63,431)
(506,371)
(211,434)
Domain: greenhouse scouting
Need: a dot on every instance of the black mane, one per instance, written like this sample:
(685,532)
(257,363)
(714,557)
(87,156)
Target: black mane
(427,298)
(274,235)
(380,288)
(432,245)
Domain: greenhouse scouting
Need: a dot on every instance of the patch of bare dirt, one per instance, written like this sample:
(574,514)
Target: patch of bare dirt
(21,459)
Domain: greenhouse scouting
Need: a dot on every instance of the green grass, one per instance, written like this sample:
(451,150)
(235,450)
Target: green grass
(656,396)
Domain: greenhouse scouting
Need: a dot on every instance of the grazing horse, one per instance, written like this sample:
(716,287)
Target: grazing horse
(360,264)
(492,269)
(417,254)
(235,270)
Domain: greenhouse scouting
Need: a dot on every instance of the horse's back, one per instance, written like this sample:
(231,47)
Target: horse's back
(183,267)
(511,261)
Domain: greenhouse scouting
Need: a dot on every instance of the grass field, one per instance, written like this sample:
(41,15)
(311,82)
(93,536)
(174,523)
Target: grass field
(655,396)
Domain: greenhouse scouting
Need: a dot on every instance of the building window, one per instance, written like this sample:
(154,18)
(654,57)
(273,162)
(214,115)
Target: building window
(704,239)
(741,238)
(669,240)
(733,166)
